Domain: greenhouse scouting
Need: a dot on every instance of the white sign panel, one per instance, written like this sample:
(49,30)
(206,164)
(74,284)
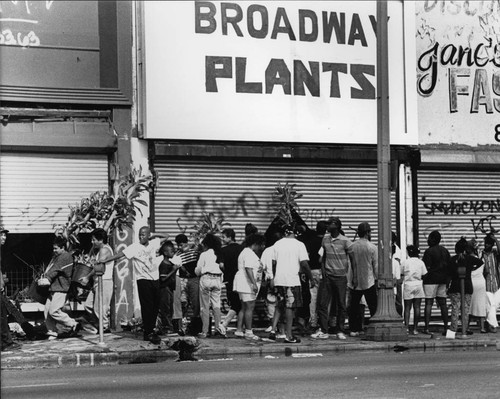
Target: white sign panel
(458,72)
(273,71)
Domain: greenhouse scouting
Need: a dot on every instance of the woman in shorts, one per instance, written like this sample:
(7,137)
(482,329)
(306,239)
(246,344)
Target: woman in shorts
(248,279)
(412,271)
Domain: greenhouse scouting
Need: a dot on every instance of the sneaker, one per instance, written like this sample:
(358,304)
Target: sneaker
(293,340)
(239,334)
(272,336)
(269,329)
(320,335)
(341,335)
(280,336)
(252,337)
(414,332)
(354,334)
(201,335)
(52,337)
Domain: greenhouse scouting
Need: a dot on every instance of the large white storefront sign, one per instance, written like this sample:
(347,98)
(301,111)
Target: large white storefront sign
(458,66)
(274,71)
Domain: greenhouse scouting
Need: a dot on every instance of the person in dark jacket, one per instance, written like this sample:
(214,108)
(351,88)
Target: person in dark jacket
(460,267)
(58,277)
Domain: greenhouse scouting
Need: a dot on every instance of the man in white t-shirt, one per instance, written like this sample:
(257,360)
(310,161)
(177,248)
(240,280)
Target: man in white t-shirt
(289,258)
(143,255)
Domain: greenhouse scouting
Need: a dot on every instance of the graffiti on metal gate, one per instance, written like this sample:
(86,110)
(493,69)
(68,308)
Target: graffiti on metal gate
(462,207)
(245,205)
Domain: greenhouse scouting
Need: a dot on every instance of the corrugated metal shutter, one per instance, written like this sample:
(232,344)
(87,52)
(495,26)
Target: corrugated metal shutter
(37,189)
(458,203)
(242,193)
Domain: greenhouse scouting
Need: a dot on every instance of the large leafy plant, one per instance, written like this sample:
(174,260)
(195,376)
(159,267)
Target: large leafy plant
(207,223)
(285,198)
(110,211)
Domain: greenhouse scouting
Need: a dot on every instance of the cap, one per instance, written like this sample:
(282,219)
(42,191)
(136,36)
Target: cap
(363,228)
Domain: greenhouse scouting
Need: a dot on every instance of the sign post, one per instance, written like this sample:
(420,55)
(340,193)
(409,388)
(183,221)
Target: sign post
(386,324)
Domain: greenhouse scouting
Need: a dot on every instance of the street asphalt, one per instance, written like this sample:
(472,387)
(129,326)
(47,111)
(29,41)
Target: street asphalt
(127,347)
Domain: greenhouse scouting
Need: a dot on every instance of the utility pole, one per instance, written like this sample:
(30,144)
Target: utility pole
(386,324)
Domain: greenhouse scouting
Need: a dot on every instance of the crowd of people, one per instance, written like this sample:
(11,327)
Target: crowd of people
(311,283)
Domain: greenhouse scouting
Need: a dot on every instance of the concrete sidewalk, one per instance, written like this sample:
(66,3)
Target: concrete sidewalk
(127,347)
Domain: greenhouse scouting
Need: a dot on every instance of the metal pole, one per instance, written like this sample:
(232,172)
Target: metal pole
(386,324)
(101,308)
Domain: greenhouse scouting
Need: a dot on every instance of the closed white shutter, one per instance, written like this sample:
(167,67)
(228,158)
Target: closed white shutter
(37,189)
(242,193)
(458,203)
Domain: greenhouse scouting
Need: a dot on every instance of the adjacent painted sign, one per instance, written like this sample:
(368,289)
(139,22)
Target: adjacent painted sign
(458,67)
(274,71)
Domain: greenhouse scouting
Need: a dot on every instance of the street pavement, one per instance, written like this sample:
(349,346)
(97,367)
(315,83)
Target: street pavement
(127,347)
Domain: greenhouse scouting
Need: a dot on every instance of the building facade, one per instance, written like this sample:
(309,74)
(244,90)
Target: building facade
(458,67)
(66,99)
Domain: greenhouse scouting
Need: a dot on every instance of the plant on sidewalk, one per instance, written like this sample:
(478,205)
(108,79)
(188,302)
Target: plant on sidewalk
(110,211)
(207,223)
(285,197)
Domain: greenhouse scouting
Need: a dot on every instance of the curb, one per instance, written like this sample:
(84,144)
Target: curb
(111,358)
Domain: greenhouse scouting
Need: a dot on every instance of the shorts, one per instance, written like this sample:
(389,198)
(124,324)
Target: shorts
(435,291)
(288,297)
(245,297)
(413,291)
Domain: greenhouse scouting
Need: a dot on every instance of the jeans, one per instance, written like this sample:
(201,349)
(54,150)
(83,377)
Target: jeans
(193,295)
(91,304)
(455,299)
(210,289)
(56,319)
(332,288)
(166,310)
(355,317)
(316,276)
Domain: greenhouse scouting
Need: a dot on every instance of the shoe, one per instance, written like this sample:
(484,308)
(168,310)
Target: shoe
(354,334)
(221,329)
(239,334)
(426,331)
(52,337)
(293,340)
(11,347)
(469,332)
(106,331)
(484,332)
(341,335)
(252,337)
(201,335)
(154,339)
(272,336)
(492,330)
(320,335)
(280,336)
(75,330)
(269,329)
(414,332)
